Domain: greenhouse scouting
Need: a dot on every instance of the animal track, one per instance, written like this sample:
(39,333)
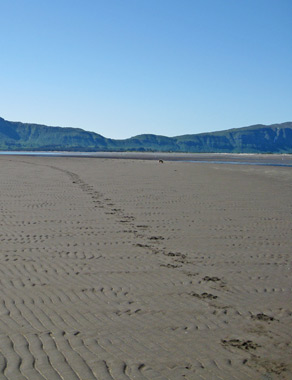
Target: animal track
(262,317)
(208,296)
(242,344)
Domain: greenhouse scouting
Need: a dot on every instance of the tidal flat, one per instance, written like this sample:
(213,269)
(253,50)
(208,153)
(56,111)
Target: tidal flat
(134,269)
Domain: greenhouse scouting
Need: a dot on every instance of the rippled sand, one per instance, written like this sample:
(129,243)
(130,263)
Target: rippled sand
(127,269)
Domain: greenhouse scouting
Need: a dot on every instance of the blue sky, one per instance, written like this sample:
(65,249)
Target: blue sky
(126,67)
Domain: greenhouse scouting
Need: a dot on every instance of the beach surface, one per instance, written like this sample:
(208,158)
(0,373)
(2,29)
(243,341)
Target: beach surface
(118,269)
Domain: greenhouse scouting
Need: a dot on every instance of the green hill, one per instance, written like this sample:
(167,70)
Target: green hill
(276,138)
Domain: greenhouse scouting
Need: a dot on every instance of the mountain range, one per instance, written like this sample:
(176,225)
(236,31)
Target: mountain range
(17,136)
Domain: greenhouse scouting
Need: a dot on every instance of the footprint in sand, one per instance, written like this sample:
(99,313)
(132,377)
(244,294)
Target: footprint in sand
(242,344)
(204,296)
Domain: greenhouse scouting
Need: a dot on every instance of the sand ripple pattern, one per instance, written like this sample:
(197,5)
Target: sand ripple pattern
(123,270)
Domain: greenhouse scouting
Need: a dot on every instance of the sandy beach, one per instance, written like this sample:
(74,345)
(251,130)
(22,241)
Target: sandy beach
(116,269)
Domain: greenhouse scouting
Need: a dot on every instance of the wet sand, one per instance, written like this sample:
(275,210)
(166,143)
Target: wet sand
(242,158)
(132,269)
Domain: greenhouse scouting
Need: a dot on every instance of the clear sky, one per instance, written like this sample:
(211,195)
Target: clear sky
(126,67)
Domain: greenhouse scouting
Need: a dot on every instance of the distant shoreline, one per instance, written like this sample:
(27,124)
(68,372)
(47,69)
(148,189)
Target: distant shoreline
(284,160)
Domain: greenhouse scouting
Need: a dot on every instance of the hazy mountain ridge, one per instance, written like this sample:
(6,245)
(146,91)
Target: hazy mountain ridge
(276,138)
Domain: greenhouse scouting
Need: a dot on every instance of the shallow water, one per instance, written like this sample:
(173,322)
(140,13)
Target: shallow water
(240,163)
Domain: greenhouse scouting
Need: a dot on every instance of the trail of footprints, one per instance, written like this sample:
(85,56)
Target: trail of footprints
(154,244)
(40,338)
(39,344)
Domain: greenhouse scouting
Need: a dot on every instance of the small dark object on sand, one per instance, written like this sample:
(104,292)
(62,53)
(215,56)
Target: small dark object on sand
(262,317)
(246,344)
